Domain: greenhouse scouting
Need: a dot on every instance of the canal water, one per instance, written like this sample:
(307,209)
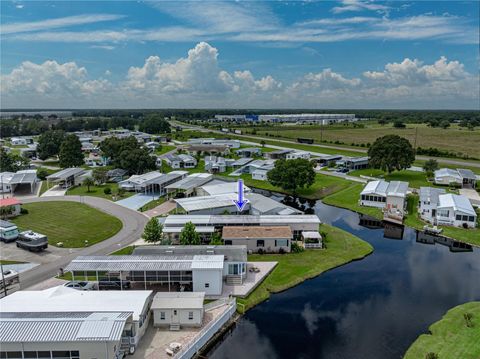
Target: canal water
(367,309)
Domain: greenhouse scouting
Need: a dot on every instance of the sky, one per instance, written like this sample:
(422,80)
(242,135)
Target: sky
(348,54)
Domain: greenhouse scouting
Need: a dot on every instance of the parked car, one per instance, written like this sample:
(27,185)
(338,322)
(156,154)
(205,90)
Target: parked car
(32,241)
(343,170)
(113,284)
(80,285)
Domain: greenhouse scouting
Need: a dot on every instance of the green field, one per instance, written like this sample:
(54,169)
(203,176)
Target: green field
(97,191)
(454,139)
(164,149)
(294,268)
(69,222)
(451,337)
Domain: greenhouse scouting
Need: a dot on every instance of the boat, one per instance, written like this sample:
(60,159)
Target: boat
(432,230)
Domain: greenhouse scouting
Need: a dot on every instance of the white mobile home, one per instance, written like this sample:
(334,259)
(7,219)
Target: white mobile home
(187,187)
(447,176)
(455,210)
(428,203)
(298,154)
(175,309)
(67,300)
(152,182)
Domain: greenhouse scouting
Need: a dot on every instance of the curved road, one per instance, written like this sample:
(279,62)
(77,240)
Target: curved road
(133,225)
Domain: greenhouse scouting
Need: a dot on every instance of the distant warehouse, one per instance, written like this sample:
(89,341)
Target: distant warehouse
(320,118)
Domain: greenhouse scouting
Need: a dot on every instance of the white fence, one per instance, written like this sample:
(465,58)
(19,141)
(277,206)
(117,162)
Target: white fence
(210,329)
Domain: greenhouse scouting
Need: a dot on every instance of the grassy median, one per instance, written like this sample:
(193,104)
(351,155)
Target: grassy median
(71,223)
(456,335)
(294,268)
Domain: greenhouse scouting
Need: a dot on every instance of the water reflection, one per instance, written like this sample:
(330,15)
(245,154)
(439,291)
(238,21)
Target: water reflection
(373,308)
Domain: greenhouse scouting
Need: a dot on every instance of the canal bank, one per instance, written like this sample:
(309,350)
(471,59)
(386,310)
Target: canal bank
(373,308)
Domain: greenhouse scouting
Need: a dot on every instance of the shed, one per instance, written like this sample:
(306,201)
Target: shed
(176,309)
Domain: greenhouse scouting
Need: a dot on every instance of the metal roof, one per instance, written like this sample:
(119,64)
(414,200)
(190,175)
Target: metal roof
(457,202)
(466,173)
(200,229)
(207,202)
(28,176)
(232,253)
(447,172)
(397,188)
(242,161)
(178,220)
(257,232)
(430,194)
(376,187)
(93,326)
(178,300)
(61,299)
(6,224)
(192,181)
(222,187)
(66,173)
(139,263)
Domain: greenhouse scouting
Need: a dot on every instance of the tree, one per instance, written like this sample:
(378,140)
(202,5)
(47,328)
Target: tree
(42,173)
(71,152)
(216,239)
(49,143)
(382,121)
(153,231)
(430,166)
(189,235)
(136,161)
(445,124)
(391,152)
(262,142)
(398,124)
(10,162)
(88,182)
(154,124)
(292,175)
(100,175)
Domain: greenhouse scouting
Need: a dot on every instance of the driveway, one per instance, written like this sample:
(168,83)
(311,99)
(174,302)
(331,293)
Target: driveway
(133,225)
(137,201)
(164,208)
(55,191)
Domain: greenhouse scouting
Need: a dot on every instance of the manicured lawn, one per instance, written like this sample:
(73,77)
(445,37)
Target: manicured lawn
(164,149)
(414,179)
(294,268)
(97,191)
(44,187)
(125,251)
(152,204)
(69,222)
(323,186)
(6,262)
(349,197)
(476,170)
(451,338)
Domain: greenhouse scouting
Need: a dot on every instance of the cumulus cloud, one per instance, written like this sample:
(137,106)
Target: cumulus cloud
(197,80)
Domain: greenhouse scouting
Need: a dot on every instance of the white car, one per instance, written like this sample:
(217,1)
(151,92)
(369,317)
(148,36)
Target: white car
(80,285)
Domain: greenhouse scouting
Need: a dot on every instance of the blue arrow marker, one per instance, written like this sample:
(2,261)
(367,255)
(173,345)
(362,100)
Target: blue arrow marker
(240,202)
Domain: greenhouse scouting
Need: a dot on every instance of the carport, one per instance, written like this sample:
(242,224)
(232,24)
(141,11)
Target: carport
(21,178)
(65,177)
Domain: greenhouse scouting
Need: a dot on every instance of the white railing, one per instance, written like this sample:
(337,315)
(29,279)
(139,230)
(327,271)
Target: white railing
(313,245)
(207,332)
(216,303)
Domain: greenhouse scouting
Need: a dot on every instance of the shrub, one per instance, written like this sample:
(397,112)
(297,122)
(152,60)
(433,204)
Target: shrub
(431,355)
(468,319)
(42,173)
(281,250)
(23,211)
(107,190)
(261,251)
(296,248)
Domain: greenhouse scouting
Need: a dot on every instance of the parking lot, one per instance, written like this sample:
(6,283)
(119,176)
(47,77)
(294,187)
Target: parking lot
(9,251)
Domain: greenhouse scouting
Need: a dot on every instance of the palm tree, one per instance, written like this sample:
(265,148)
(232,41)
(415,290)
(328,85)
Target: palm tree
(88,182)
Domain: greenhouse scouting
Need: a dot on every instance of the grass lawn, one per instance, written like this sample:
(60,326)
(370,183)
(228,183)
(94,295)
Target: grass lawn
(323,186)
(97,191)
(153,204)
(69,222)
(451,338)
(125,251)
(476,170)
(164,149)
(294,268)
(415,179)
(44,187)
(6,262)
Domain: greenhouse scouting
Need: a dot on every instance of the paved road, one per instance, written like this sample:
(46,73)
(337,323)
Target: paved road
(359,150)
(133,224)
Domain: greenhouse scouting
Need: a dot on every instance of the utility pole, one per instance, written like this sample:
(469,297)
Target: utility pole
(415,141)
